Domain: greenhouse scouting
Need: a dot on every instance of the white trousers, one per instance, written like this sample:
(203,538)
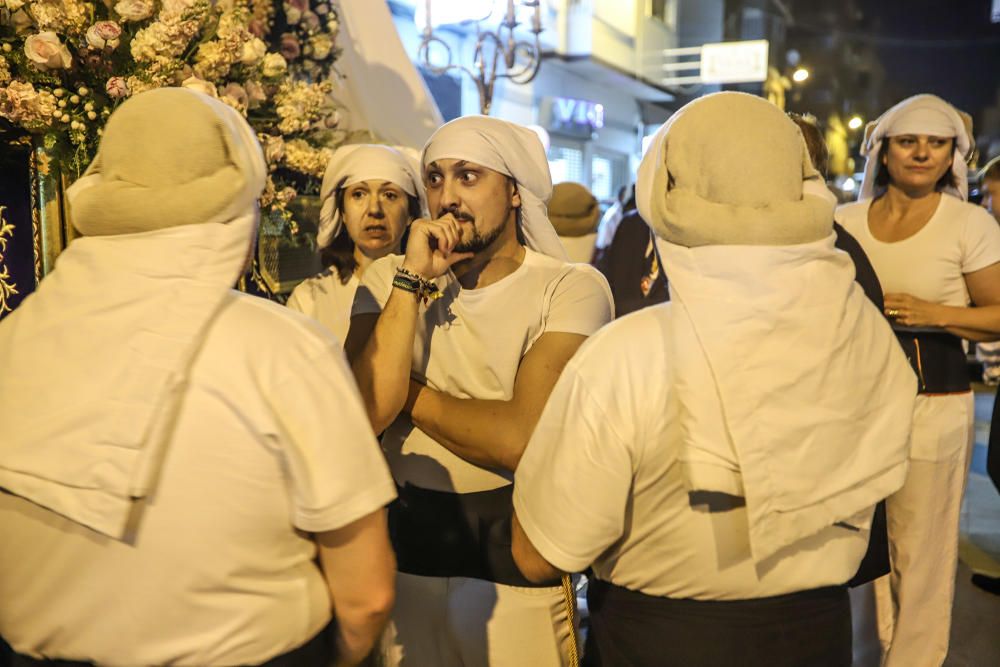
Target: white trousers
(460,622)
(914,600)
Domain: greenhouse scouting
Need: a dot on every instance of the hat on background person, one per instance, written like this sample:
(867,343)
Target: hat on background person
(573,210)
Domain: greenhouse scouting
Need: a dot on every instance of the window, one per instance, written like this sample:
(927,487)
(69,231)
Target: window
(566,163)
(608,173)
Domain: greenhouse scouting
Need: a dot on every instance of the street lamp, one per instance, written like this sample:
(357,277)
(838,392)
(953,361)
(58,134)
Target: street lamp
(855,122)
(800,75)
(520,60)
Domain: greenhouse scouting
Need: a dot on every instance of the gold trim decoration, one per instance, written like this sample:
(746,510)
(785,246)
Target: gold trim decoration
(36,223)
(7,288)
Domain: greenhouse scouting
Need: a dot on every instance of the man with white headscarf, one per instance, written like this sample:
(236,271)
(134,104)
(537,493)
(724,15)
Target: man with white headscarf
(455,346)
(175,454)
(717,459)
(369,197)
(938,260)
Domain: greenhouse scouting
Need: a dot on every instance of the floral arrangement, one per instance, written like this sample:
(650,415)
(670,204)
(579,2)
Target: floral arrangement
(66,64)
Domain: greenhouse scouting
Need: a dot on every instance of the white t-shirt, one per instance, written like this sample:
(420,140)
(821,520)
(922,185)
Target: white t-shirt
(271,443)
(959,238)
(601,483)
(469,344)
(327,300)
(579,248)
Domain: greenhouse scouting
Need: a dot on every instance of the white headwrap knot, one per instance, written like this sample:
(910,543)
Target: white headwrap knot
(920,114)
(364,162)
(514,151)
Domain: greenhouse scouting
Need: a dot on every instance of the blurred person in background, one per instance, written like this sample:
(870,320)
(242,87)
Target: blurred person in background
(938,260)
(574,213)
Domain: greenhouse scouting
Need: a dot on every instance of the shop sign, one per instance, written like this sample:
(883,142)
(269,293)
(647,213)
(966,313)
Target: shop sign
(734,62)
(571,116)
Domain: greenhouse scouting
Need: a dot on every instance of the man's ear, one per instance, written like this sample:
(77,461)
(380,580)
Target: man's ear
(515,196)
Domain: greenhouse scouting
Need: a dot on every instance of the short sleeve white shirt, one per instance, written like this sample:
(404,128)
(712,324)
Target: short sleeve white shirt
(959,238)
(327,300)
(271,443)
(600,483)
(469,344)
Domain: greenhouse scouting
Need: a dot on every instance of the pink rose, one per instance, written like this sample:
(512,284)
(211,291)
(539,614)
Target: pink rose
(235,96)
(310,22)
(116,87)
(274,148)
(257,28)
(255,94)
(46,51)
(104,34)
(289,47)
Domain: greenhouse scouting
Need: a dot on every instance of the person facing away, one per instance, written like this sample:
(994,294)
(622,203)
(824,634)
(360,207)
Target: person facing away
(726,449)
(574,213)
(455,347)
(369,196)
(188,475)
(938,259)
(629,261)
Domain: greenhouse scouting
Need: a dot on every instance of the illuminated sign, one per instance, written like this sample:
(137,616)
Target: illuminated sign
(572,116)
(734,62)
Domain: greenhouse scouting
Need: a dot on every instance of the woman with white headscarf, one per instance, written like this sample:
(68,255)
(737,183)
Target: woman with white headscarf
(370,195)
(938,259)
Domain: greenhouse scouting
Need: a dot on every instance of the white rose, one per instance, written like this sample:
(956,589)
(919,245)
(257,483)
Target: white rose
(116,87)
(134,10)
(322,45)
(202,86)
(176,6)
(104,34)
(254,51)
(46,51)
(274,65)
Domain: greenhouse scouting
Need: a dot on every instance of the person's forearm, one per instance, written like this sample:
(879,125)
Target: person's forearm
(382,370)
(488,433)
(355,637)
(980,323)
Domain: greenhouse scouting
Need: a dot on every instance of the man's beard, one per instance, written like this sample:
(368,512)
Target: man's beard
(479,242)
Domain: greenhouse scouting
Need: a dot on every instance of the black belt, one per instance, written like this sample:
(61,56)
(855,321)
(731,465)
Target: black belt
(938,359)
(441,534)
(632,629)
(319,651)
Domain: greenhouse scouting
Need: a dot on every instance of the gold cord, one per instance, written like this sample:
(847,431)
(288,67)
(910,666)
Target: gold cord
(920,365)
(569,597)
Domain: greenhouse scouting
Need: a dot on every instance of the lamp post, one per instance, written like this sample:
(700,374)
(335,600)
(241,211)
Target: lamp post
(498,55)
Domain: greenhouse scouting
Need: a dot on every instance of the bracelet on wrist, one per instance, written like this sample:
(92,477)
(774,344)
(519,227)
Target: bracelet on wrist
(426,290)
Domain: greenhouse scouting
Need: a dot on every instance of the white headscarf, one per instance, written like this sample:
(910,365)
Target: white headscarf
(96,359)
(794,392)
(363,162)
(920,114)
(514,151)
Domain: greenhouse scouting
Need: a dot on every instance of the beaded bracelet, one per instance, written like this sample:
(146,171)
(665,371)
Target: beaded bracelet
(426,290)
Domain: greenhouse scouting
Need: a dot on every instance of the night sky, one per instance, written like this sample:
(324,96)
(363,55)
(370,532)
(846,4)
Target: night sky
(946,47)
